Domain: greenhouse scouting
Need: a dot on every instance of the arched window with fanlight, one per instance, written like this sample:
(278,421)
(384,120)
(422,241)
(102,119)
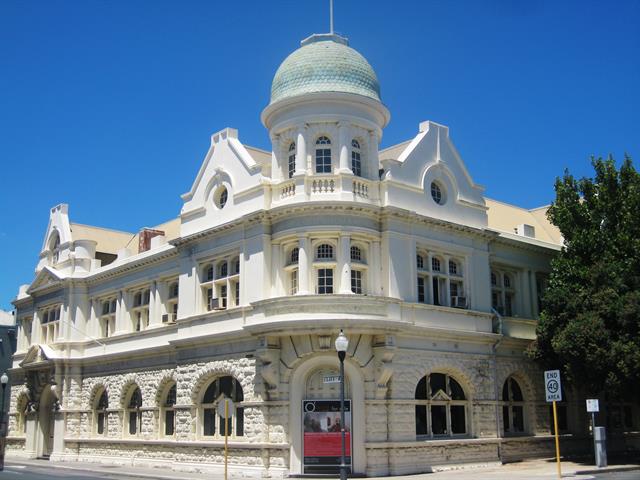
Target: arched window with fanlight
(167,411)
(324,266)
(211,421)
(100,413)
(358,269)
(356,160)
(133,416)
(512,407)
(292,270)
(291,160)
(323,155)
(441,407)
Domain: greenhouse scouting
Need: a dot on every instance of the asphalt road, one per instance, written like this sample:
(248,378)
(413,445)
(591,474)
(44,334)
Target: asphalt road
(39,473)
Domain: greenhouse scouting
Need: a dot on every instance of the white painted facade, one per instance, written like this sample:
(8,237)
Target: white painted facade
(234,288)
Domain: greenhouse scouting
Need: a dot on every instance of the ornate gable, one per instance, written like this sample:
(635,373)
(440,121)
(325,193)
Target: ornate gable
(44,279)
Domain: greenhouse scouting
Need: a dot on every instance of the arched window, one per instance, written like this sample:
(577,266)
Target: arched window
(494,279)
(512,407)
(419,261)
(435,264)
(221,387)
(453,267)
(223,269)
(236,265)
(356,164)
(441,407)
(356,254)
(294,255)
(292,159)
(436,193)
(134,414)
(324,252)
(21,414)
(100,413)
(323,155)
(208,273)
(168,413)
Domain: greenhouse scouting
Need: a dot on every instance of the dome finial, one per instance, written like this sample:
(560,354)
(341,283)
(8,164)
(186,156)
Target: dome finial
(331,17)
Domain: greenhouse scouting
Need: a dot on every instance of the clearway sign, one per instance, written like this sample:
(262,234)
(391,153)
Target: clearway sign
(552,385)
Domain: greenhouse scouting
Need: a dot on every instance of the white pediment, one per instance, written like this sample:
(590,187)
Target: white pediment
(45,278)
(37,354)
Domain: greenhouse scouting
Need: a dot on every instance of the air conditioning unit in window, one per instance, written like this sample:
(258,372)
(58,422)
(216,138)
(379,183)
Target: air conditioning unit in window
(459,302)
(214,304)
(169,318)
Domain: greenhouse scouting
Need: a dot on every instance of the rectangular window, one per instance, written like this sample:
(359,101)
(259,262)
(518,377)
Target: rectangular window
(356,165)
(223,296)
(508,304)
(421,297)
(356,281)
(421,420)
(133,423)
(323,160)
(506,419)
(436,291)
(325,281)
(169,423)
(292,165)
(209,422)
(100,423)
(439,419)
(458,424)
(239,421)
(453,289)
(518,419)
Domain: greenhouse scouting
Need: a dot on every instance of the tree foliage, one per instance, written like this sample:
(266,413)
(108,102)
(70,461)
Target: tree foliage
(590,320)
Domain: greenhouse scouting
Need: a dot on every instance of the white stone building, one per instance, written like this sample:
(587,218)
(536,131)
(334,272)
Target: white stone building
(127,341)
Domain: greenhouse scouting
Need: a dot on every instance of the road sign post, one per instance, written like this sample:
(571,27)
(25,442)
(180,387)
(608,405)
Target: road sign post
(553,391)
(225,406)
(599,436)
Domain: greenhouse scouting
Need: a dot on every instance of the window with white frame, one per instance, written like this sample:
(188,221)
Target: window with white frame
(503,292)
(291,160)
(100,413)
(291,269)
(140,309)
(325,281)
(323,155)
(167,411)
(172,302)
(324,267)
(220,283)
(441,407)
(512,407)
(107,318)
(437,277)
(222,387)
(324,251)
(358,269)
(50,324)
(356,162)
(133,414)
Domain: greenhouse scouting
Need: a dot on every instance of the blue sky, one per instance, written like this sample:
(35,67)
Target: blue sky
(109,105)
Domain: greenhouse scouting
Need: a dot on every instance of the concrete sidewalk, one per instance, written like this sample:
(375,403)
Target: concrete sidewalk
(528,470)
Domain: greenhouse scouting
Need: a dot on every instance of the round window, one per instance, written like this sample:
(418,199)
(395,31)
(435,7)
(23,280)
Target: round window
(221,197)
(436,193)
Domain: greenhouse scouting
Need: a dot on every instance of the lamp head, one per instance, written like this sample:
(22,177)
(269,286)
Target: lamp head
(342,342)
(4,379)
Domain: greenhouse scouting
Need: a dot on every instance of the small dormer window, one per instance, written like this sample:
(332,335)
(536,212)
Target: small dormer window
(54,246)
(323,155)
(356,163)
(291,164)
(220,197)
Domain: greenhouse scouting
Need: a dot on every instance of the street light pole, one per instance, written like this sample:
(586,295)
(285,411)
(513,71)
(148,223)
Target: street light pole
(4,379)
(342,343)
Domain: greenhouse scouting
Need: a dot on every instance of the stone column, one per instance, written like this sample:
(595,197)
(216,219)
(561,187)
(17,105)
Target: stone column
(121,313)
(343,145)
(372,156)
(534,294)
(374,267)
(276,268)
(276,173)
(344,264)
(304,265)
(301,151)
(154,304)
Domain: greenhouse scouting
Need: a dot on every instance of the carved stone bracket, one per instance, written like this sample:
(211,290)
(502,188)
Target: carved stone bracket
(384,349)
(269,369)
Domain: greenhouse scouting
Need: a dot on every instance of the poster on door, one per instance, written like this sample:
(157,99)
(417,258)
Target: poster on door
(322,435)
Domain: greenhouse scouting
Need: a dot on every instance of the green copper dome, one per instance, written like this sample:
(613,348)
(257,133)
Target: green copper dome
(324,63)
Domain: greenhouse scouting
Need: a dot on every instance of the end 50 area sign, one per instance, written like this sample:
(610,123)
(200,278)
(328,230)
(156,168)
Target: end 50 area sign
(552,385)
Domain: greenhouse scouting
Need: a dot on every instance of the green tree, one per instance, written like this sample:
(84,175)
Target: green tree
(590,320)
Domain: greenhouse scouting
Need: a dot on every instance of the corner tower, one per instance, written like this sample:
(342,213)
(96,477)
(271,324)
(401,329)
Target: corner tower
(325,115)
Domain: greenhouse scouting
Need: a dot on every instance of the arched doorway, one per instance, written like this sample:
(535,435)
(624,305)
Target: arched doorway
(46,420)
(311,390)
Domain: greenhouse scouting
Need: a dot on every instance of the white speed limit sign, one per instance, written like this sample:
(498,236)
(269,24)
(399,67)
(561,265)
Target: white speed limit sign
(552,386)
